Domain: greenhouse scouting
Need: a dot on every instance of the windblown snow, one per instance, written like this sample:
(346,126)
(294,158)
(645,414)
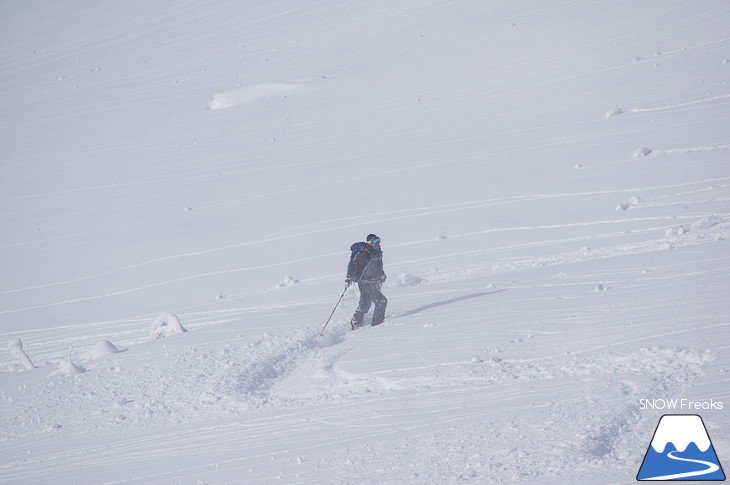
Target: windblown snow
(181,183)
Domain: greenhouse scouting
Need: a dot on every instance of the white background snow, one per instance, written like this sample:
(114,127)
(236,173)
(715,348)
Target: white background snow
(550,180)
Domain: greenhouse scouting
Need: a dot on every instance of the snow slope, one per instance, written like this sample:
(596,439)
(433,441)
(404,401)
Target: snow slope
(550,180)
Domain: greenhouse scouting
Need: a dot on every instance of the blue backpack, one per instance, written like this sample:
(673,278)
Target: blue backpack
(355,249)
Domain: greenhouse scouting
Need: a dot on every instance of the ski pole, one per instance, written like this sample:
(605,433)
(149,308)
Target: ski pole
(333,310)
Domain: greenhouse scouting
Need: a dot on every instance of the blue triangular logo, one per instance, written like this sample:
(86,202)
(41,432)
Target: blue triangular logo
(681,450)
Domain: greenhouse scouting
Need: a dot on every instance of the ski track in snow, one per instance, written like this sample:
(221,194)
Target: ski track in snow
(291,372)
(619,111)
(700,231)
(390,217)
(282,373)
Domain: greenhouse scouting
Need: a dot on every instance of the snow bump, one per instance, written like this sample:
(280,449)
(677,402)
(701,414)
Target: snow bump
(166,325)
(255,92)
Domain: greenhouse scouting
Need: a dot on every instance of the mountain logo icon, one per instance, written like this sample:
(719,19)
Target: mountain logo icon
(681,450)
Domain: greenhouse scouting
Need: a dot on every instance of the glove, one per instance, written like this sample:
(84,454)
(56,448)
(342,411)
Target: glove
(382,279)
(348,281)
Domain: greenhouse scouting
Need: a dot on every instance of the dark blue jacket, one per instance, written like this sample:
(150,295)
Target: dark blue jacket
(367,265)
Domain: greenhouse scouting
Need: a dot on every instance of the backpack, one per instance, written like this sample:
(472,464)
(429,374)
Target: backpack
(355,249)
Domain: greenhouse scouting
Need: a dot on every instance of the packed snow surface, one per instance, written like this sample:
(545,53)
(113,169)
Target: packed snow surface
(181,183)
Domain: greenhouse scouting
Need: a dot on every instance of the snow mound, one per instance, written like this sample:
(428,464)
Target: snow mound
(254,92)
(676,231)
(166,325)
(707,222)
(101,349)
(631,203)
(407,279)
(66,367)
(286,282)
(247,94)
(16,350)
(615,112)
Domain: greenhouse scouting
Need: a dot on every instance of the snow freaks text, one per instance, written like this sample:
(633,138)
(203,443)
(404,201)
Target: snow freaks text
(679,405)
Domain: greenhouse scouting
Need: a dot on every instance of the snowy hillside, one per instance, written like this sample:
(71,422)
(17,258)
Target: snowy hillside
(551,182)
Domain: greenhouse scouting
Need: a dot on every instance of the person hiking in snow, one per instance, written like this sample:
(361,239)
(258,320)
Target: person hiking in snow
(366,269)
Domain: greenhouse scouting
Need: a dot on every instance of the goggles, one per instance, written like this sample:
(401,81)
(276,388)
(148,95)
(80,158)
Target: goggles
(374,241)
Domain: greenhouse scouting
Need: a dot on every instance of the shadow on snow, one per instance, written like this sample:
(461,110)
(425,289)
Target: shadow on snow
(449,301)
